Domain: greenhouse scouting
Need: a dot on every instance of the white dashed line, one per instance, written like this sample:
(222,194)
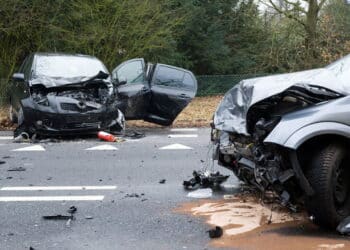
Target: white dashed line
(30,148)
(183,136)
(175,147)
(103,147)
(184,129)
(57,188)
(53,198)
(6,137)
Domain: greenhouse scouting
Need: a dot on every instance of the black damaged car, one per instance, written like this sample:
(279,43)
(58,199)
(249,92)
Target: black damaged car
(56,93)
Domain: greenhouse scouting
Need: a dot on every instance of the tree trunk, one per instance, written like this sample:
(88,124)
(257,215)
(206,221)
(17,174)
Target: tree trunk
(311,30)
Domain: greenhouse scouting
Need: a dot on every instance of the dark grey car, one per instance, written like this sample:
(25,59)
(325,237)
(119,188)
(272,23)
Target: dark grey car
(55,93)
(290,134)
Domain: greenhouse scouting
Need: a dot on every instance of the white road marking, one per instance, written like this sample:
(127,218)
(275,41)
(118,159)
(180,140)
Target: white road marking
(52,198)
(31,148)
(175,147)
(6,137)
(184,129)
(103,147)
(57,188)
(182,135)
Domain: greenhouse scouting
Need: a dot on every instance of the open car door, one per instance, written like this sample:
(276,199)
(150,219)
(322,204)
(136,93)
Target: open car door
(133,89)
(172,89)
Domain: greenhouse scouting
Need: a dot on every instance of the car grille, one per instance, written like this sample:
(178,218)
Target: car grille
(82,118)
(75,107)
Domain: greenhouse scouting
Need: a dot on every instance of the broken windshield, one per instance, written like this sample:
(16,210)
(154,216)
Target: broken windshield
(65,66)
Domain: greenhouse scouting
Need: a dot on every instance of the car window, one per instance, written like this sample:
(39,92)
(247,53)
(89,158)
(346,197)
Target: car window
(132,72)
(27,66)
(172,77)
(21,68)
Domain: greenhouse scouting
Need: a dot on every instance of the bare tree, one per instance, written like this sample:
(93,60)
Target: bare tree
(305,12)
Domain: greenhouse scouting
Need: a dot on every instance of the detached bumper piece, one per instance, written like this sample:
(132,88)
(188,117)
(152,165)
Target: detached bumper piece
(205,179)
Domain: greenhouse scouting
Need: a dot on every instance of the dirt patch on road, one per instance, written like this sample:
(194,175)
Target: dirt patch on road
(249,224)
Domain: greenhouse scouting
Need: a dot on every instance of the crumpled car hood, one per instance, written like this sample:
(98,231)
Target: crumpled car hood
(50,82)
(231,113)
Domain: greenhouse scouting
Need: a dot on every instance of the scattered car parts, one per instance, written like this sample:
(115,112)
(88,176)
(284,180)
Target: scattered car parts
(290,134)
(215,232)
(205,179)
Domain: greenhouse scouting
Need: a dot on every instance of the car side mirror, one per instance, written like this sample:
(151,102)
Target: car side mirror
(122,81)
(19,77)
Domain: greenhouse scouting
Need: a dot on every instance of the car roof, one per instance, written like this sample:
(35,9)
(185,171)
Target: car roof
(62,54)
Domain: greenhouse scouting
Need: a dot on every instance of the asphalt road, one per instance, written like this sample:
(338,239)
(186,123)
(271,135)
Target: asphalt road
(107,217)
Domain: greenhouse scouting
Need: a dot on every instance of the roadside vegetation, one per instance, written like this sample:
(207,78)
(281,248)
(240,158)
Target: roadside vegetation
(208,37)
(221,37)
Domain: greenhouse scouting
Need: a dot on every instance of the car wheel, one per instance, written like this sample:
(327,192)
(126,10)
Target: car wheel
(328,175)
(12,115)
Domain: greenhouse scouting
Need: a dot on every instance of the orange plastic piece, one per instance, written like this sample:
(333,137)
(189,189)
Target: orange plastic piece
(106,136)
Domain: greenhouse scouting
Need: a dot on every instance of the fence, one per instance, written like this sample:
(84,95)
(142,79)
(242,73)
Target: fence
(219,84)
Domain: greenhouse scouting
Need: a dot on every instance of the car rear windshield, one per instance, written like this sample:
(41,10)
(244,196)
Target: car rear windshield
(68,66)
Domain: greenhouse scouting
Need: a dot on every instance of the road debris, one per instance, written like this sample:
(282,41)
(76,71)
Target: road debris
(162,181)
(205,179)
(133,134)
(134,195)
(215,232)
(22,137)
(201,193)
(108,137)
(19,169)
(68,223)
(88,217)
(72,210)
(344,226)
(2,162)
(58,217)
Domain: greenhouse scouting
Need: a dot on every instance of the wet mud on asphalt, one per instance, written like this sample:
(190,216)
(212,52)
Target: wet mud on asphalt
(249,224)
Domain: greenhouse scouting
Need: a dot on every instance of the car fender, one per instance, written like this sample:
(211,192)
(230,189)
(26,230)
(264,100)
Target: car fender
(298,137)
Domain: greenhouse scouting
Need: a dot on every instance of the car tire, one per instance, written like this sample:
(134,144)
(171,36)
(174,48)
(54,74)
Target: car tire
(12,116)
(328,176)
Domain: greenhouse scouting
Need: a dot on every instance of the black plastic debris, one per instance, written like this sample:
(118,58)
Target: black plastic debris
(215,232)
(22,137)
(58,217)
(88,217)
(72,210)
(2,162)
(16,169)
(162,181)
(130,134)
(205,180)
(344,226)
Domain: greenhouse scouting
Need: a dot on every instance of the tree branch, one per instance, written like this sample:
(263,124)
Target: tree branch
(286,13)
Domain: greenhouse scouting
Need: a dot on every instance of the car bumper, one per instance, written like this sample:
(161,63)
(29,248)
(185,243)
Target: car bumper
(46,121)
